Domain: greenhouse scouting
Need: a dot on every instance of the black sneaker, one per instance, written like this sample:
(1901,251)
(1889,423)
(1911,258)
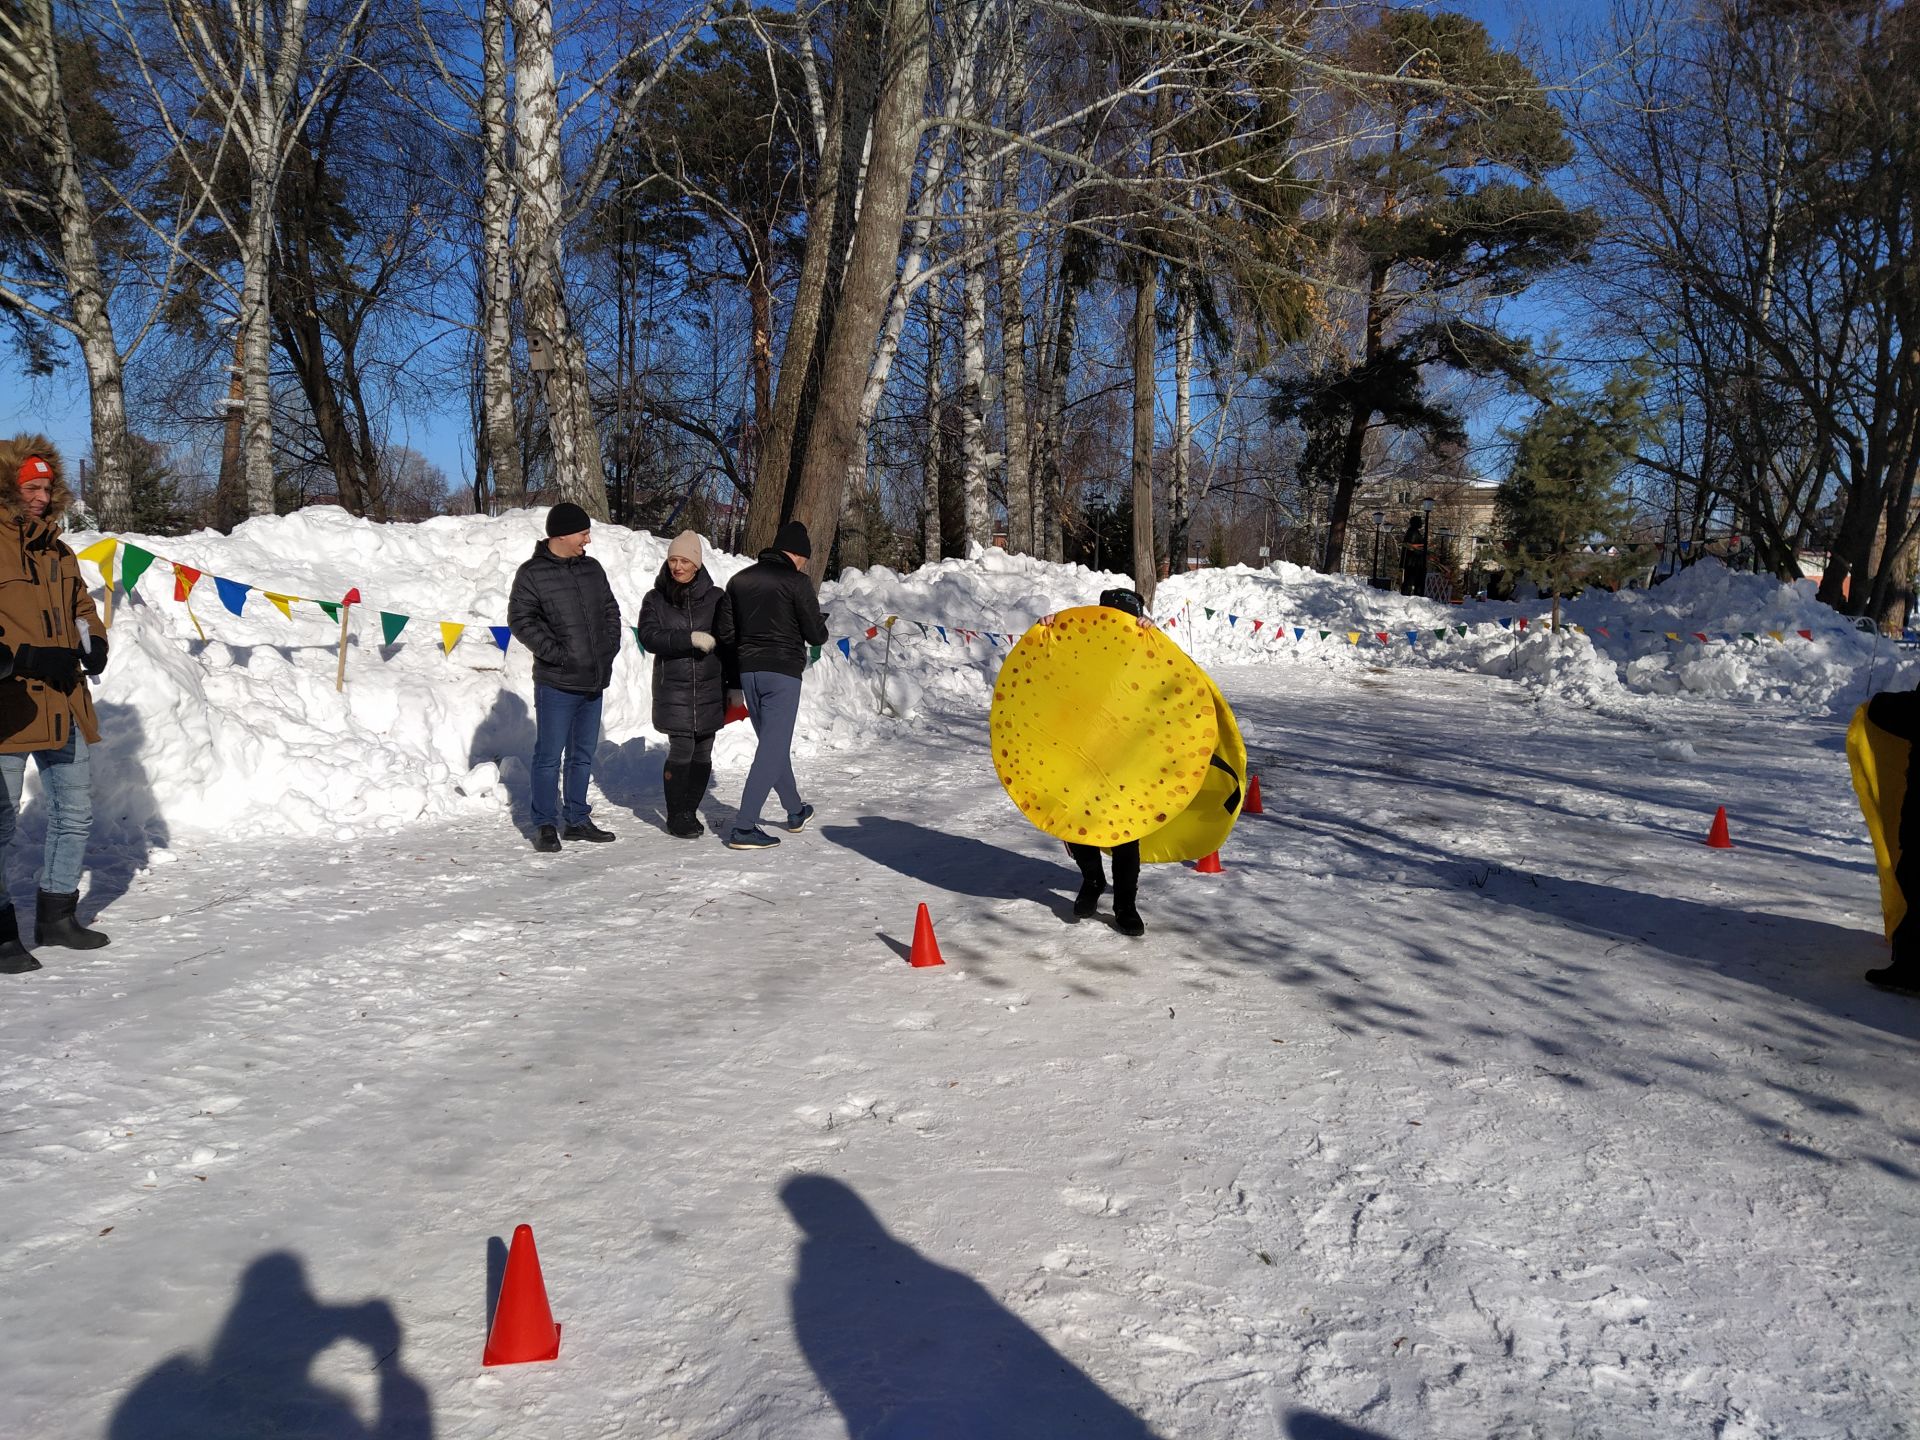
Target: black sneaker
(797,819)
(586,830)
(754,839)
(547,840)
(1127,921)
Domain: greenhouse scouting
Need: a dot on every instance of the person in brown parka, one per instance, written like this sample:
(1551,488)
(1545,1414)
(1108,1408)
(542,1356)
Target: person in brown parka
(51,639)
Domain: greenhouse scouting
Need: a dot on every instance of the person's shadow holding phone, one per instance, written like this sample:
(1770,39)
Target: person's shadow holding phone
(256,1377)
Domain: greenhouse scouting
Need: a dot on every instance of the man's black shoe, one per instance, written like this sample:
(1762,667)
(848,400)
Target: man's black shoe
(586,830)
(547,839)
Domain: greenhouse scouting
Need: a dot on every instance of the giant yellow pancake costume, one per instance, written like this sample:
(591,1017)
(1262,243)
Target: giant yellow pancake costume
(1104,732)
(1879,763)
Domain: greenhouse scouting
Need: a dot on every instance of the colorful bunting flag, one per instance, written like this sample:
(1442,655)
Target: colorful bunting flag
(450,636)
(872,630)
(185,577)
(846,648)
(101,554)
(501,635)
(233,594)
(1232,620)
(636,639)
(1701,636)
(331,608)
(1209,612)
(1381,636)
(1805,634)
(1353,637)
(813,652)
(133,564)
(1506,622)
(282,603)
(1413,637)
(391,625)
(1256,626)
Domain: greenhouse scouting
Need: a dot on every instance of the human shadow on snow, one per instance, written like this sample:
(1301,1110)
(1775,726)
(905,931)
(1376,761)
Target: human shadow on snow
(907,1347)
(956,863)
(256,1379)
(1311,1425)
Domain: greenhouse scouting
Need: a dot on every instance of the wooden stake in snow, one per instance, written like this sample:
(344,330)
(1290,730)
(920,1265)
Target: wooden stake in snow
(347,602)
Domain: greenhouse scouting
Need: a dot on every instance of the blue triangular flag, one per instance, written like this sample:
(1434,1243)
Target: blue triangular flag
(1413,637)
(943,632)
(846,648)
(233,594)
(1685,546)
(501,634)
(1506,622)
(992,639)
(1298,633)
(1232,620)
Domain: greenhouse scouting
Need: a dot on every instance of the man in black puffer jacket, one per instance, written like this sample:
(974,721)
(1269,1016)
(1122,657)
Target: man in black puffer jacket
(768,619)
(563,610)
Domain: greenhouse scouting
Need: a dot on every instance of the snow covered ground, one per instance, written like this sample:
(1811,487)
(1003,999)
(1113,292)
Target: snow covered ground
(1476,1098)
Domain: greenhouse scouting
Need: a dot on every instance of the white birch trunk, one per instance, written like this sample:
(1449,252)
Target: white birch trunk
(88,317)
(577,472)
(973,350)
(936,397)
(1013,309)
(1178,477)
(496,381)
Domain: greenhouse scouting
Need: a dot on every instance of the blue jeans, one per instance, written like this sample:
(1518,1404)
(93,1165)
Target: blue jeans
(66,775)
(773,704)
(563,721)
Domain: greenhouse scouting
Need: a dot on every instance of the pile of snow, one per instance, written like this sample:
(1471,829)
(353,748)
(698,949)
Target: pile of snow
(216,722)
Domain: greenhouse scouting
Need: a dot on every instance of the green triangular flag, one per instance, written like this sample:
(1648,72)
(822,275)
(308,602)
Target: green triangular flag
(1323,634)
(637,640)
(1746,635)
(1209,612)
(331,607)
(1459,629)
(1440,634)
(391,625)
(133,564)
(814,653)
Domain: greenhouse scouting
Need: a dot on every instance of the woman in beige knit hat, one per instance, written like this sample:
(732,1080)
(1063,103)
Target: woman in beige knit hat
(691,677)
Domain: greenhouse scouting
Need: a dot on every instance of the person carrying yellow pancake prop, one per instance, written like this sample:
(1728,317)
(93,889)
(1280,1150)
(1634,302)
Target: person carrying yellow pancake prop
(1897,713)
(1126,856)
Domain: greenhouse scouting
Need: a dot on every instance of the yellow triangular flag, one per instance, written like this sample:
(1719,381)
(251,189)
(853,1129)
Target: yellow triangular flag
(449,635)
(101,553)
(1778,636)
(1671,635)
(1353,637)
(282,603)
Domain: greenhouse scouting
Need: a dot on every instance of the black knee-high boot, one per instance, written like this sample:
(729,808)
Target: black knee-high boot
(1093,880)
(1126,886)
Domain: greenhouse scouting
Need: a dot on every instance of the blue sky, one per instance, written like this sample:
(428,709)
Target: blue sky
(58,405)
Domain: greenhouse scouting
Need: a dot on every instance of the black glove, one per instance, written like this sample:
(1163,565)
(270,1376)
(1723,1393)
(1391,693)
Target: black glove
(95,660)
(57,665)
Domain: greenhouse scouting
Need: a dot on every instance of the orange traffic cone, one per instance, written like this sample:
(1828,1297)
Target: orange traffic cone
(1717,837)
(523,1327)
(1253,805)
(926,949)
(1209,864)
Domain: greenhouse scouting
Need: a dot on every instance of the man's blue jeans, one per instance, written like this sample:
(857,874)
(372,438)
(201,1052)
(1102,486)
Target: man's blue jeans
(563,722)
(66,775)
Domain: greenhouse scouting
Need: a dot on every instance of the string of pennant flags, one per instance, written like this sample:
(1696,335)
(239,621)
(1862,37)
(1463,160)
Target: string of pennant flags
(135,561)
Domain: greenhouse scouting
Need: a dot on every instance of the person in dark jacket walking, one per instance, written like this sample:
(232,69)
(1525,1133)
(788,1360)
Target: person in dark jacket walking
(679,625)
(563,610)
(51,641)
(768,619)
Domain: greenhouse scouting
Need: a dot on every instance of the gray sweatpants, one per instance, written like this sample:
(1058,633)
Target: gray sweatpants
(773,704)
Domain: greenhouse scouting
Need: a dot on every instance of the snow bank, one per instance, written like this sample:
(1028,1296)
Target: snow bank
(230,723)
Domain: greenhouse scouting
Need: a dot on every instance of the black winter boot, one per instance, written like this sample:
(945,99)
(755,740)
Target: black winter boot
(681,823)
(1093,880)
(698,773)
(55,923)
(15,958)
(1126,885)
(1901,979)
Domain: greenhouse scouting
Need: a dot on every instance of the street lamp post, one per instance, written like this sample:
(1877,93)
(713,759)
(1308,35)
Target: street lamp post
(1373,569)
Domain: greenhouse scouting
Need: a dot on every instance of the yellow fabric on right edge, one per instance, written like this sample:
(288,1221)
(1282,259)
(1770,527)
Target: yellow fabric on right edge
(1879,764)
(1204,825)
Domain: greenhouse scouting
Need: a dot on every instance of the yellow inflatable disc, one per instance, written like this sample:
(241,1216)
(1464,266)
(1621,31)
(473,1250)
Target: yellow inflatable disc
(1101,730)
(1209,818)
(1879,763)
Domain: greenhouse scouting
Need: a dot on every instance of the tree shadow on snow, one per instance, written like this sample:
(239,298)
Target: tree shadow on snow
(957,863)
(256,1379)
(909,1348)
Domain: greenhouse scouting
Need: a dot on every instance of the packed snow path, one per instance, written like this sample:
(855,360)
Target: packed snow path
(1476,1098)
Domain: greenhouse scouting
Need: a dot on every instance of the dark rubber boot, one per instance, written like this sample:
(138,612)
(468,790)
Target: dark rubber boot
(1126,887)
(681,821)
(56,924)
(1093,880)
(15,958)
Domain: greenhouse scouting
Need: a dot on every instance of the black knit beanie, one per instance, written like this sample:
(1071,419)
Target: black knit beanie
(567,519)
(792,538)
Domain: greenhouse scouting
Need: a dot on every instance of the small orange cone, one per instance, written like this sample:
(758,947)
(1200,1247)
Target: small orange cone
(1209,864)
(926,949)
(1253,805)
(523,1327)
(1717,838)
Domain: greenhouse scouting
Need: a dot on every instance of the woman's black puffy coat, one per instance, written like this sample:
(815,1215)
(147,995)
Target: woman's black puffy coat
(689,688)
